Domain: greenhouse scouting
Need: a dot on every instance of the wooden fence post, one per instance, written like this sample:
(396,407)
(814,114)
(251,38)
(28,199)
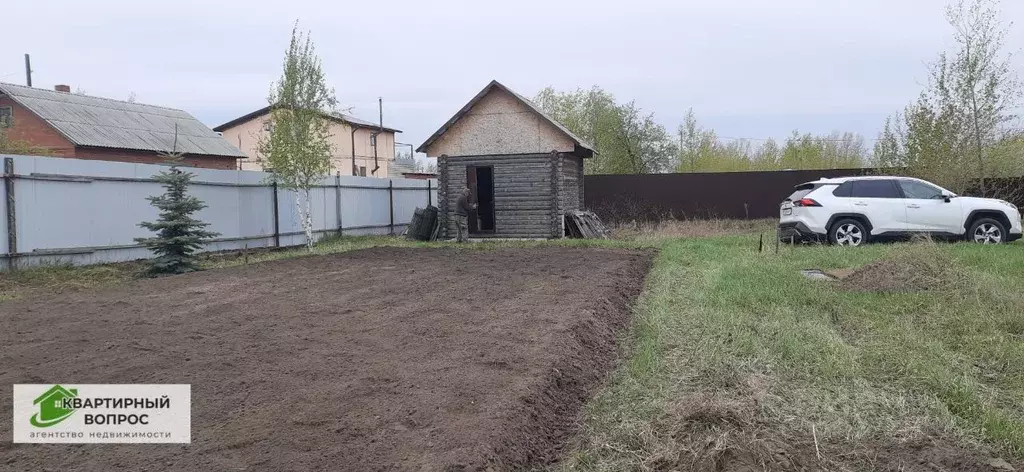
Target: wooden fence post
(12,226)
(430,198)
(277,225)
(391,205)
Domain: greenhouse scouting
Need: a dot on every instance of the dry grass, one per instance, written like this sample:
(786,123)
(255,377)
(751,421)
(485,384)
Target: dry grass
(65,278)
(693,229)
(737,362)
(915,267)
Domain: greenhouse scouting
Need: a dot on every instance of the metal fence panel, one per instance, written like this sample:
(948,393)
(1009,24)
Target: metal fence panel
(619,198)
(3,214)
(409,194)
(697,195)
(83,211)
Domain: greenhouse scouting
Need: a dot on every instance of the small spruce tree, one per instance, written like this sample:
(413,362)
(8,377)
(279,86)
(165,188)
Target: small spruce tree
(178,234)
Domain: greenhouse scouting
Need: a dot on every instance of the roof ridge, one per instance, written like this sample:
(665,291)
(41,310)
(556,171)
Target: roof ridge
(36,89)
(532,107)
(332,115)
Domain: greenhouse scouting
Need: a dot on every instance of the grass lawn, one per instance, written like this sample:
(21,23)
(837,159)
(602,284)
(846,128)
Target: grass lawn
(735,356)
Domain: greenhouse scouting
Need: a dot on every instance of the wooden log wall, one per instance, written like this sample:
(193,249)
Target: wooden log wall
(524,192)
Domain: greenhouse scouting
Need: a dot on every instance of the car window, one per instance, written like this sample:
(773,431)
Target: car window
(801,191)
(844,190)
(798,195)
(915,189)
(882,188)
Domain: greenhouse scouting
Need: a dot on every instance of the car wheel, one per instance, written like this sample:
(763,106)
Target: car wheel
(987,231)
(848,233)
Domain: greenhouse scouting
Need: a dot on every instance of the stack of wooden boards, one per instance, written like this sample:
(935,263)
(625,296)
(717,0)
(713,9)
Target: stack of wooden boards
(584,224)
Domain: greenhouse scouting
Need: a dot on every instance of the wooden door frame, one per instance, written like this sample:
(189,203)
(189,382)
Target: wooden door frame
(474,198)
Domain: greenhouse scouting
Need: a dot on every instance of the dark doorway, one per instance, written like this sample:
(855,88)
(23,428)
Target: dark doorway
(480,180)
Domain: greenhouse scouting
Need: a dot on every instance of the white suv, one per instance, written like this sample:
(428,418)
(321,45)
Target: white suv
(850,211)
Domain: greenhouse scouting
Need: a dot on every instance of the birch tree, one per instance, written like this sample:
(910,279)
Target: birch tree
(297,148)
(981,75)
(956,133)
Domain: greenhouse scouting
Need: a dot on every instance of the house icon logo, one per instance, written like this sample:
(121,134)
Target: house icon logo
(51,406)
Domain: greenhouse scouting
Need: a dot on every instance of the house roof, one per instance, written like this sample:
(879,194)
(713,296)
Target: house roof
(341,117)
(529,104)
(398,167)
(105,123)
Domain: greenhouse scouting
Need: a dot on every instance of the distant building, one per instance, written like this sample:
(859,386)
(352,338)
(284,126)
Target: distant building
(83,127)
(407,169)
(350,137)
(524,170)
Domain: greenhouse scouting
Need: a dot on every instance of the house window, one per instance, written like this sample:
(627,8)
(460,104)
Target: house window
(6,117)
(268,126)
(362,171)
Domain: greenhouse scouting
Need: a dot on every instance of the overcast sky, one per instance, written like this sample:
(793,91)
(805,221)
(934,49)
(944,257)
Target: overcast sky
(749,68)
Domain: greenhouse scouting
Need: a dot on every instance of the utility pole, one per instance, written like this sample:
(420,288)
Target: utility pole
(28,70)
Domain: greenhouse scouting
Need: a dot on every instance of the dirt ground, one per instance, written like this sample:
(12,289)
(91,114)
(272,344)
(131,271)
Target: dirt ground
(374,360)
(915,268)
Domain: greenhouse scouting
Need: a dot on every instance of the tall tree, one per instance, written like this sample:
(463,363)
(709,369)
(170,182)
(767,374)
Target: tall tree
(626,139)
(645,145)
(701,150)
(768,156)
(982,76)
(298,148)
(953,133)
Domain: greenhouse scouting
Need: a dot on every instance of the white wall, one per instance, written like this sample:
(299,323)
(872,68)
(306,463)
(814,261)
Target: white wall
(86,212)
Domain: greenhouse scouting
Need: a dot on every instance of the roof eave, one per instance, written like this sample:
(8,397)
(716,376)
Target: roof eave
(240,154)
(265,110)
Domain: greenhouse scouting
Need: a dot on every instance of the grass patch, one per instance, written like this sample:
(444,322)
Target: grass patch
(64,278)
(665,229)
(735,357)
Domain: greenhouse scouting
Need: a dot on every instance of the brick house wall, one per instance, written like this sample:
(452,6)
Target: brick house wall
(147,157)
(30,128)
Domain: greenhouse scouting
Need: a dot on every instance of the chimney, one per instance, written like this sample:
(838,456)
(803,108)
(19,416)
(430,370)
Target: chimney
(62,88)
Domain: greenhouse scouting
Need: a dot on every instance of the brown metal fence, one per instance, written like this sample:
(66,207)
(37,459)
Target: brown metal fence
(728,195)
